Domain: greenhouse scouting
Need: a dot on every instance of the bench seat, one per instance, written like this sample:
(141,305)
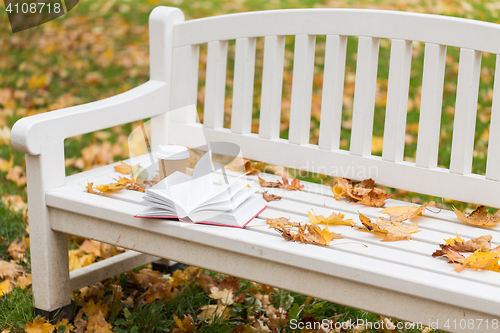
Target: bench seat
(405,276)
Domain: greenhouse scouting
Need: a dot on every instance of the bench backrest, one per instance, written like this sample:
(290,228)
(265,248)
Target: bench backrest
(423,176)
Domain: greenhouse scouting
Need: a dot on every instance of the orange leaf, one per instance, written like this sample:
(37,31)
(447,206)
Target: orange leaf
(264,183)
(364,193)
(394,231)
(294,186)
(97,324)
(450,254)
(89,188)
(480,216)
(123,168)
(270,197)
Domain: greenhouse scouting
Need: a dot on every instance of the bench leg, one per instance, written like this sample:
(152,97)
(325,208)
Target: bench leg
(48,248)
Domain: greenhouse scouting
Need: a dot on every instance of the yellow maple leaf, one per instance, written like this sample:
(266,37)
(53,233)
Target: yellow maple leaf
(481,243)
(480,216)
(67,326)
(481,260)
(333,219)
(4,287)
(124,168)
(225,296)
(401,213)
(92,308)
(451,241)
(39,326)
(97,324)
(394,231)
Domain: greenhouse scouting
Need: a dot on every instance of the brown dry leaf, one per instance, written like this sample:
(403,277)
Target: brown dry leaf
(97,324)
(480,216)
(252,168)
(16,174)
(5,287)
(294,186)
(206,282)
(124,168)
(64,322)
(160,290)
(314,235)
(89,188)
(481,260)
(402,213)
(17,250)
(333,219)
(480,243)
(24,281)
(364,193)
(39,326)
(281,222)
(270,197)
(217,312)
(9,270)
(264,183)
(450,254)
(184,326)
(146,277)
(394,231)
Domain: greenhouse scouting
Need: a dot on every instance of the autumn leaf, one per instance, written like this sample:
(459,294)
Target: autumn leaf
(89,188)
(184,326)
(270,197)
(294,186)
(24,281)
(93,308)
(333,219)
(146,277)
(17,250)
(14,202)
(481,243)
(314,235)
(123,168)
(281,222)
(64,326)
(225,296)
(16,174)
(214,312)
(9,270)
(4,287)
(97,324)
(39,326)
(402,213)
(450,254)
(480,217)
(481,260)
(264,183)
(252,168)
(6,166)
(394,231)
(91,246)
(364,193)
(160,290)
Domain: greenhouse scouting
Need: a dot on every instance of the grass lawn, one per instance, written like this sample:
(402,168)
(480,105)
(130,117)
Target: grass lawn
(100,49)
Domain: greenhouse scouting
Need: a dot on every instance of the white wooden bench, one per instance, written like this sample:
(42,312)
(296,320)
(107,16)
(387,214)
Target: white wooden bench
(398,279)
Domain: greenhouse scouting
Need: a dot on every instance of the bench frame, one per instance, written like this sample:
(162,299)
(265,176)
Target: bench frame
(174,55)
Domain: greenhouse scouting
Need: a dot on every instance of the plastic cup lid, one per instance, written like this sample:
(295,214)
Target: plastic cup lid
(172,152)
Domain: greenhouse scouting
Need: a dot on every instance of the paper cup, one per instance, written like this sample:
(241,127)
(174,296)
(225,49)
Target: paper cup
(171,159)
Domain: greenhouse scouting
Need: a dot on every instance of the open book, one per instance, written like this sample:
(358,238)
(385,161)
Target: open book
(196,198)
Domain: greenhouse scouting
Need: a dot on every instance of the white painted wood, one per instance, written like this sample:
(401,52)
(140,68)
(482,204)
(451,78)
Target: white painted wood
(436,29)
(185,75)
(332,93)
(215,84)
(397,100)
(244,68)
(493,160)
(364,96)
(430,106)
(464,125)
(108,268)
(303,72)
(272,85)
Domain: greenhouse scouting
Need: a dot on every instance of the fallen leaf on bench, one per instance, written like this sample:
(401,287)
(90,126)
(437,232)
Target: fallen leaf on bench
(39,325)
(481,260)
(394,231)
(124,168)
(294,186)
(450,254)
(109,188)
(9,270)
(480,216)
(252,168)
(401,213)
(90,188)
(270,197)
(264,183)
(314,235)
(481,243)
(364,193)
(333,219)
(281,222)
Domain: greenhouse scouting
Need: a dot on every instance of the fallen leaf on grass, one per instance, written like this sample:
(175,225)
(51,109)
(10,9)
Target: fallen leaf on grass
(314,235)
(184,326)
(5,287)
(293,186)
(401,213)
(6,166)
(225,296)
(9,270)
(17,250)
(480,217)
(333,219)
(64,326)
(450,254)
(214,312)
(14,202)
(97,324)
(16,174)
(364,193)
(39,325)
(480,243)
(394,231)
(270,197)
(264,183)
(24,281)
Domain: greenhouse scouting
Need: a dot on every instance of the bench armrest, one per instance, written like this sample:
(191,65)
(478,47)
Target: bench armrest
(30,134)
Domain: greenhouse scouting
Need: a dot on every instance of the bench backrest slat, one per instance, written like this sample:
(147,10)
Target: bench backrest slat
(364,96)
(397,100)
(333,91)
(431,104)
(272,87)
(493,161)
(215,86)
(464,126)
(244,68)
(303,72)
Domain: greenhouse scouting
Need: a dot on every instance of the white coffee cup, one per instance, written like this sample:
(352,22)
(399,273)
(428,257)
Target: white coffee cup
(172,158)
